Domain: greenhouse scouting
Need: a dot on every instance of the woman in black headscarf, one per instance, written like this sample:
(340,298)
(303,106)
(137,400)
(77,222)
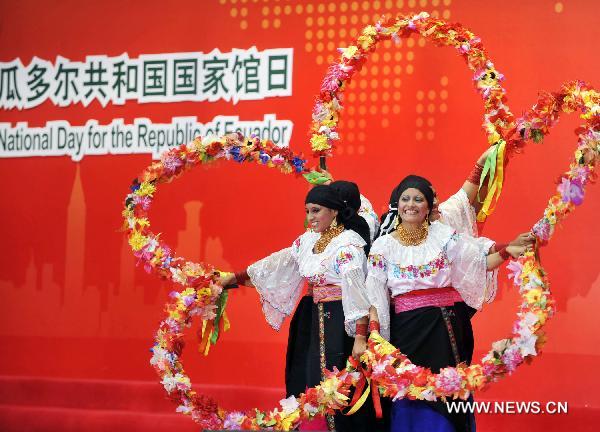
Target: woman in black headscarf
(331,258)
(300,324)
(431,273)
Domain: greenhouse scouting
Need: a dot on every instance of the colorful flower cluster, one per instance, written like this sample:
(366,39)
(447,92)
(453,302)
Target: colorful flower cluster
(573,96)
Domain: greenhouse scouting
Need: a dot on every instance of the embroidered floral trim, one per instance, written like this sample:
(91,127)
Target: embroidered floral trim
(296,245)
(317,279)
(377,261)
(426,270)
(322,294)
(343,257)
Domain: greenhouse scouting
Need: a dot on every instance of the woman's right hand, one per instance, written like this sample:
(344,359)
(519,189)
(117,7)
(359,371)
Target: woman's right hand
(359,347)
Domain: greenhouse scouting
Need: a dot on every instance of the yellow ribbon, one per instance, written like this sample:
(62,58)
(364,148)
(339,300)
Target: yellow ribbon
(360,402)
(494,183)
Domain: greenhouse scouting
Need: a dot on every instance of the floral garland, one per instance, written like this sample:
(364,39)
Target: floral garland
(387,368)
(390,370)
(397,377)
(201,294)
(497,116)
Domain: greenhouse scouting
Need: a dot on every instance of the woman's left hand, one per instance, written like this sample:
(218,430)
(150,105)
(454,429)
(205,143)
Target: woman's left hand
(360,346)
(524,239)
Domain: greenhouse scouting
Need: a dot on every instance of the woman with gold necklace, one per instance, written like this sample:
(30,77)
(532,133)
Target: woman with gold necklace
(331,258)
(428,274)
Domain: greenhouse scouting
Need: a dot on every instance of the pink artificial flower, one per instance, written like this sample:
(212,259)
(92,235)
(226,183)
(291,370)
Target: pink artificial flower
(448,380)
(330,84)
(512,358)
(515,268)
(489,369)
(571,191)
(143,201)
(171,163)
(542,229)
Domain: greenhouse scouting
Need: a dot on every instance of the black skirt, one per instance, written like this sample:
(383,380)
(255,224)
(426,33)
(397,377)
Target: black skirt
(303,360)
(422,335)
(297,352)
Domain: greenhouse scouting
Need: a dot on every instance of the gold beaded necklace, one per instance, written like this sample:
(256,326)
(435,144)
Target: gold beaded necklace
(413,237)
(326,237)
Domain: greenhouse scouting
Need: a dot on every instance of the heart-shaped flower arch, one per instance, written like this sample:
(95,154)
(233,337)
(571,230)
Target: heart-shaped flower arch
(393,372)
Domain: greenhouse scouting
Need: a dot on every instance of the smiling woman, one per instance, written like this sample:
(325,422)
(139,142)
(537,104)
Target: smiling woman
(432,274)
(331,258)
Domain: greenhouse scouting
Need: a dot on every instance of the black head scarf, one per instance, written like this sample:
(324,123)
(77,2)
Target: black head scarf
(349,193)
(412,181)
(329,197)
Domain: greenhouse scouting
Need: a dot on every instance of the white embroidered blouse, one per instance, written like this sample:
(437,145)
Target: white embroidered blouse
(279,277)
(446,258)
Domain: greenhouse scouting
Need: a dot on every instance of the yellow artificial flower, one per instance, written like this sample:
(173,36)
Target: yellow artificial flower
(288,421)
(365,42)
(204,292)
(142,222)
(319,143)
(156,258)
(146,189)
(383,347)
(350,52)
(415,391)
(370,31)
(188,292)
(330,387)
(541,317)
(137,240)
(493,135)
(533,295)
(592,112)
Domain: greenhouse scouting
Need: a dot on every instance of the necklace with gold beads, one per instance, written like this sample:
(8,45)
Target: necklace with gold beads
(413,237)
(327,236)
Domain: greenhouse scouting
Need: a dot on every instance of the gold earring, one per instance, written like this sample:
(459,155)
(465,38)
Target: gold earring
(334,223)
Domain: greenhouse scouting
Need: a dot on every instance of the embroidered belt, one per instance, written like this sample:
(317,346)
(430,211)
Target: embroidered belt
(426,297)
(325,293)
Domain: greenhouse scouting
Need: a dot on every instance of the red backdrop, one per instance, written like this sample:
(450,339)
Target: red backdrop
(73,302)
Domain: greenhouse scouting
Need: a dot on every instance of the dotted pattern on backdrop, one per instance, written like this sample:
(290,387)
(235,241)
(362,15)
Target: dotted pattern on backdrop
(324,33)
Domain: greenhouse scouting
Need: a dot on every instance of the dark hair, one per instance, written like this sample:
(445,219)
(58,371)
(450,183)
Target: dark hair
(330,197)
(410,181)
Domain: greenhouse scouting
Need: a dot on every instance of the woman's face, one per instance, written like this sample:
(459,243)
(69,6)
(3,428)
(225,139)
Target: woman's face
(319,217)
(412,206)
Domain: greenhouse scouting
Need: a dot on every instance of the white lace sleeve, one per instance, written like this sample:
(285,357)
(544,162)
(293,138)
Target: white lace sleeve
(469,275)
(377,292)
(367,213)
(349,263)
(278,282)
(458,213)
